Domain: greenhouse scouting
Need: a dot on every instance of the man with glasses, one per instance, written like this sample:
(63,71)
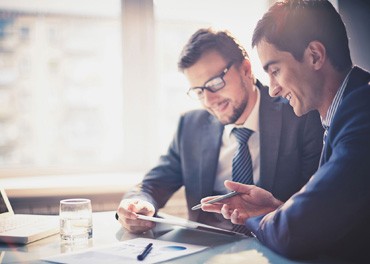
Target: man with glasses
(284,149)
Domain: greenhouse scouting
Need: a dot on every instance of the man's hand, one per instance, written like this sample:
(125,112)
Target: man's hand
(251,201)
(127,213)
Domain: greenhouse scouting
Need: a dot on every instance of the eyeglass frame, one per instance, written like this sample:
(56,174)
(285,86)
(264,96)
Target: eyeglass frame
(209,88)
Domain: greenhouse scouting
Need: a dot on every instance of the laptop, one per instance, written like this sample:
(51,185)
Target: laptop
(24,228)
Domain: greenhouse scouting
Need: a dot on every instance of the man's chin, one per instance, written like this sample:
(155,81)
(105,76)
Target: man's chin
(226,120)
(299,112)
(223,119)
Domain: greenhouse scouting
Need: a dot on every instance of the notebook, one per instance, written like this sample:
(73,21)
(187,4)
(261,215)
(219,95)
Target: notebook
(24,228)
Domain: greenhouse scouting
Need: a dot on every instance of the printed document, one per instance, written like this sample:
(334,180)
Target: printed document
(127,252)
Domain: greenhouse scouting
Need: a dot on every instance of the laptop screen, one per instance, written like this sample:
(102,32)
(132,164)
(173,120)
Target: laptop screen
(3,206)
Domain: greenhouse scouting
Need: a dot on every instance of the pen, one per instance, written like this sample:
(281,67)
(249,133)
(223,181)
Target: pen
(228,195)
(145,252)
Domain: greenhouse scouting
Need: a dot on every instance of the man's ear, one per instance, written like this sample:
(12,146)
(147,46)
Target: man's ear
(246,68)
(316,53)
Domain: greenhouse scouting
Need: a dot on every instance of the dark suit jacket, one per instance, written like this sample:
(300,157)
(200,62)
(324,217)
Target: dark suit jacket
(331,214)
(290,152)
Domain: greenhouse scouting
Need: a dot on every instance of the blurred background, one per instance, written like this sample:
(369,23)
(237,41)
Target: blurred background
(90,93)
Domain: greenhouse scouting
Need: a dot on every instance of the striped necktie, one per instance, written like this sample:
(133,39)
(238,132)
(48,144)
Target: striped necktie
(242,161)
(242,169)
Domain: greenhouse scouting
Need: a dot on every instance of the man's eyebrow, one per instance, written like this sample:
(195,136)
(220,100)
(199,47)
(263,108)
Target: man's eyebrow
(268,64)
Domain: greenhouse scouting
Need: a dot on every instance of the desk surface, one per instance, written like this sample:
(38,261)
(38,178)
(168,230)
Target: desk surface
(108,231)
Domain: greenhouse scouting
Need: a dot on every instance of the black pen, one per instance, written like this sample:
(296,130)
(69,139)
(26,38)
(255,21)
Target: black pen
(145,252)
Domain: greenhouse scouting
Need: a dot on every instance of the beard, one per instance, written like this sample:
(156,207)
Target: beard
(238,106)
(237,111)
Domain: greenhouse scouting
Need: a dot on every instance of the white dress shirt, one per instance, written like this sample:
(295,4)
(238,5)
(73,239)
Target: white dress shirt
(229,146)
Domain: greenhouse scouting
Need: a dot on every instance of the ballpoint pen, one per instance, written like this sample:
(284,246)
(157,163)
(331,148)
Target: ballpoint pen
(145,252)
(228,195)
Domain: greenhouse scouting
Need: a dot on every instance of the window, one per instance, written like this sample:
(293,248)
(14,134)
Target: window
(60,85)
(93,86)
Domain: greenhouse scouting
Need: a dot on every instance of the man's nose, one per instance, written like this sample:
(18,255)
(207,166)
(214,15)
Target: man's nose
(274,89)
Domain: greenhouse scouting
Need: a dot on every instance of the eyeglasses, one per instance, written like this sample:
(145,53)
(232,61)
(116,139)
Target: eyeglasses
(213,85)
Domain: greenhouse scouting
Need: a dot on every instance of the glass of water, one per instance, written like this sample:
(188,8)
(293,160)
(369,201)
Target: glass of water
(75,220)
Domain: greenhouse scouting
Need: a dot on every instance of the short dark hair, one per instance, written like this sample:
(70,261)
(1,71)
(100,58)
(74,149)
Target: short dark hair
(207,39)
(291,25)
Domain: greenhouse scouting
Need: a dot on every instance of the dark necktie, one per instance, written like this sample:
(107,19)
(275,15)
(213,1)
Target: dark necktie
(242,161)
(242,169)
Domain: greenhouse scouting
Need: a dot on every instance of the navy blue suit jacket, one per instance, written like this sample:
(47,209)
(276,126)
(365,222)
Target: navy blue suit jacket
(331,214)
(290,153)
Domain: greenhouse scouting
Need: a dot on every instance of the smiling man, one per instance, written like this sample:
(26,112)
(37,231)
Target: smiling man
(282,150)
(231,106)
(303,46)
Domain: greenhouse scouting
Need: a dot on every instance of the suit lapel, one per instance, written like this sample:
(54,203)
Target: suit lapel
(210,150)
(270,114)
(211,143)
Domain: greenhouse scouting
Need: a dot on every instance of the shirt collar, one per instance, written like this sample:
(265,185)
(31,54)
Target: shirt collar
(335,104)
(252,121)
